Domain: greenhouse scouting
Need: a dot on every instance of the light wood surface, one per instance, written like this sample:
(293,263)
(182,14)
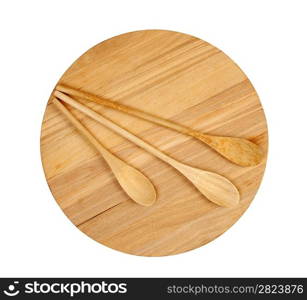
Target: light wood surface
(216,188)
(237,150)
(176,77)
(137,186)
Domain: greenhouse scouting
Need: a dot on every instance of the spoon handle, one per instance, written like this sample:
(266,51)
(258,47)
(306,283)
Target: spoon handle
(127,109)
(116,128)
(81,128)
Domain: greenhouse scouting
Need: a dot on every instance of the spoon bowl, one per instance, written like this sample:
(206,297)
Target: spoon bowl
(134,183)
(238,150)
(215,187)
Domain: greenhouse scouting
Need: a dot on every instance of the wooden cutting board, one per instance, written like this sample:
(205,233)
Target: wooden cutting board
(175,76)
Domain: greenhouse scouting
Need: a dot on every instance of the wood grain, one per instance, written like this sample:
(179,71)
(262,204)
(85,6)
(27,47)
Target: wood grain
(174,76)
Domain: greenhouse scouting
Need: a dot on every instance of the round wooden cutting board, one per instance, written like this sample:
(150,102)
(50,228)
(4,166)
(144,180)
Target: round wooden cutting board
(174,76)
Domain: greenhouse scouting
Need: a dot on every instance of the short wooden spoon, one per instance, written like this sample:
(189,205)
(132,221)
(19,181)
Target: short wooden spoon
(138,187)
(216,188)
(238,150)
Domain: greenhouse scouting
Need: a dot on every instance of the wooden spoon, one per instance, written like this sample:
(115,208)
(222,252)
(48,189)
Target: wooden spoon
(138,187)
(238,150)
(216,188)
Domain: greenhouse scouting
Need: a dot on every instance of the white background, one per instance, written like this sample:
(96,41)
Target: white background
(40,39)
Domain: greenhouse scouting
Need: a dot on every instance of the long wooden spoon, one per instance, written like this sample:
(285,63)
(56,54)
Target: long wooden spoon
(238,150)
(216,188)
(138,187)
